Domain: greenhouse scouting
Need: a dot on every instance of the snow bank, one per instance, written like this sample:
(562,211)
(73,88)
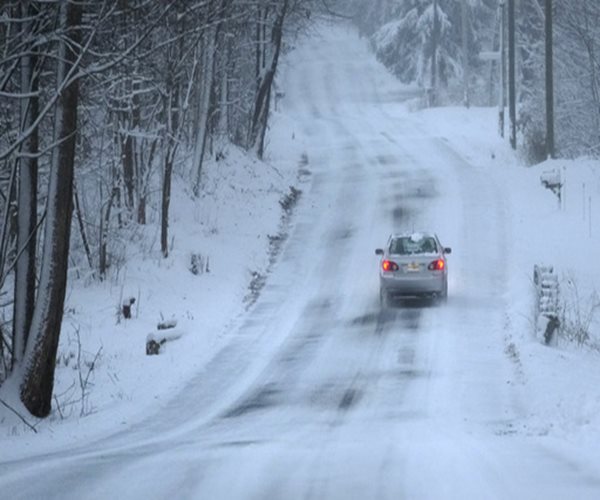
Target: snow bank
(559,383)
(104,377)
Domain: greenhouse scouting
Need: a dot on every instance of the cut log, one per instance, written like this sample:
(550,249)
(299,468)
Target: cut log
(155,340)
(167,325)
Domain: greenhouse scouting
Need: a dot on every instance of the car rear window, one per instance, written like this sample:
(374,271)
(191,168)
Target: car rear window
(407,245)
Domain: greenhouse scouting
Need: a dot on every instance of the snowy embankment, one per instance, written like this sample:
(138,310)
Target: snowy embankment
(222,246)
(559,384)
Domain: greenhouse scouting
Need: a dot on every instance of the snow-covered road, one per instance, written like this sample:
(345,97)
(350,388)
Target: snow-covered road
(319,394)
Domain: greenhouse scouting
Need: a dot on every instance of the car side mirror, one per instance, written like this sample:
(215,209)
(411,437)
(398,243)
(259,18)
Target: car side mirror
(379,251)
(447,250)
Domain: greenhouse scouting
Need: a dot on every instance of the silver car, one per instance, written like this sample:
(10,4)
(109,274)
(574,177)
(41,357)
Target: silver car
(413,265)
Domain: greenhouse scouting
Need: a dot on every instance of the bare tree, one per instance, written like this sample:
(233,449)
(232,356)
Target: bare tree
(27,163)
(42,344)
(209,43)
(265,81)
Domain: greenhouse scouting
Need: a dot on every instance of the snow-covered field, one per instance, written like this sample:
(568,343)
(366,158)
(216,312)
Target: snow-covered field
(312,391)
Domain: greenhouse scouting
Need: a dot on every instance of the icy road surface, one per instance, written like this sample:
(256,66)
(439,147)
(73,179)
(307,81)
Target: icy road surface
(319,394)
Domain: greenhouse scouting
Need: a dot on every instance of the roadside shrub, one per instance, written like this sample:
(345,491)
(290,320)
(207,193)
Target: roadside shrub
(578,315)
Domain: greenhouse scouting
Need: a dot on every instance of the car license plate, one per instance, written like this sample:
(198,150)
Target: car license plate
(413,266)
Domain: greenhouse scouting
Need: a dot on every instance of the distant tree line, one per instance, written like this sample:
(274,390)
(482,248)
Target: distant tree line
(406,35)
(101,102)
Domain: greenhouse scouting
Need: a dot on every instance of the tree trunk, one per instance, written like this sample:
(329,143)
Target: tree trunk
(127,20)
(465,52)
(205,112)
(549,81)
(103,239)
(40,356)
(145,167)
(263,96)
(170,152)
(81,224)
(25,271)
(8,222)
(224,91)
(128,168)
(512,86)
(261,42)
(434,46)
(166,201)
(137,146)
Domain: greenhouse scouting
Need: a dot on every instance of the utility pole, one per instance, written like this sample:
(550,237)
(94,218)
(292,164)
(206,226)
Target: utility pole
(512,91)
(549,83)
(501,60)
(465,52)
(434,45)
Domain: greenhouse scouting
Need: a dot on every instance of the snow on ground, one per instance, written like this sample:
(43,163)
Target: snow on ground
(561,383)
(231,225)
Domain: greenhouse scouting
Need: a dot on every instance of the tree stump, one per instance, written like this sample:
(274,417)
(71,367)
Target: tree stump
(126,307)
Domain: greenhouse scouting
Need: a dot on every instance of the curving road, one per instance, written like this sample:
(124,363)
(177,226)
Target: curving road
(319,394)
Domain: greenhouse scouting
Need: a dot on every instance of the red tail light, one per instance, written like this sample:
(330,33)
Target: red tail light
(437,265)
(388,265)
